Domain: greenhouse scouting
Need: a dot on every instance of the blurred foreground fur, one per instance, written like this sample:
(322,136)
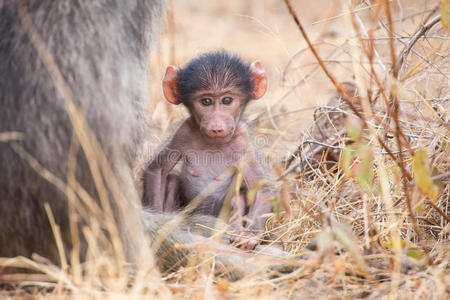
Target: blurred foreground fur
(70,72)
(194,237)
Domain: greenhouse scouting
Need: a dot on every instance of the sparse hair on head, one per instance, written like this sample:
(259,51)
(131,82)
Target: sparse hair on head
(214,71)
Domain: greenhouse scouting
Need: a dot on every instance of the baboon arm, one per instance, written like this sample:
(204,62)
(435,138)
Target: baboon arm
(155,177)
(259,208)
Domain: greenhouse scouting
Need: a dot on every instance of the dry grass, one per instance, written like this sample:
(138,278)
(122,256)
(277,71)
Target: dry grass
(380,229)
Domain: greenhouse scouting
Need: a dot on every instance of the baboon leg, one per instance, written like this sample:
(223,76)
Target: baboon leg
(238,206)
(171,203)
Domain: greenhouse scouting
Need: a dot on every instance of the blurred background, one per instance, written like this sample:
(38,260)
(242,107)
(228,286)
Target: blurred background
(264,30)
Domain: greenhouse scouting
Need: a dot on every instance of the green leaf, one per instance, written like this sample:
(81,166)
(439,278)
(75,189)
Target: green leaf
(346,159)
(409,249)
(353,128)
(422,174)
(419,208)
(251,193)
(389,243)
(415,253)
(364,173)
(445,20)
(277,209)
(276,205)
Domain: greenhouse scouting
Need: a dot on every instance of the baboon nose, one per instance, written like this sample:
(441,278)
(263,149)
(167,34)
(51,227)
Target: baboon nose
(216,132)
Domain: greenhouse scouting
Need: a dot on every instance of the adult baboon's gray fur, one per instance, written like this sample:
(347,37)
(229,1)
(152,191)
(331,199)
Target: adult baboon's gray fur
(101,48)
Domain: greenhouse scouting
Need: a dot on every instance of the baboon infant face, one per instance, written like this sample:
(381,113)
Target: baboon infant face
(217,112)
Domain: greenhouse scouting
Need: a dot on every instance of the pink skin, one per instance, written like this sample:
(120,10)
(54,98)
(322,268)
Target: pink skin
(208,143)
(217,121)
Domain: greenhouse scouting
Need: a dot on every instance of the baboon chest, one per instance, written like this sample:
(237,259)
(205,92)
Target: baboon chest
(203,168)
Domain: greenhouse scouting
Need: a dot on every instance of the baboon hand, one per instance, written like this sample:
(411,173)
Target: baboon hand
(245,240)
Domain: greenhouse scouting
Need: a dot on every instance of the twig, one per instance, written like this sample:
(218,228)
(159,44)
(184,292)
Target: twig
(441,176)
(324,145)
(440,211)
(312,153)
(419,33)
(346,95)
(387,8)
(398,131)
(171,29)
(11,136)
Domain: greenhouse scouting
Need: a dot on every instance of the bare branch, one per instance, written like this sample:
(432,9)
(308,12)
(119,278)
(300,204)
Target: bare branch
(419,33)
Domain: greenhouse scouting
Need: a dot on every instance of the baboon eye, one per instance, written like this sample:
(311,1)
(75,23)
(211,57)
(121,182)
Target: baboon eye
(206,101)
(227,100)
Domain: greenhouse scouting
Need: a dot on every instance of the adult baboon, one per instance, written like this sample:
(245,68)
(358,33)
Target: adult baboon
(55,57)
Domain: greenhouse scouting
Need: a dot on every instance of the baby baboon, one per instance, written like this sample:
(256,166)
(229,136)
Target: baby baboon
(215,87)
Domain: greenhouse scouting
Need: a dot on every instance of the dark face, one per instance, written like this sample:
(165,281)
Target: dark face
(217,112)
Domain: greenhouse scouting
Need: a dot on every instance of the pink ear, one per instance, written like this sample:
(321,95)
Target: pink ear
(169,85)
(259,80)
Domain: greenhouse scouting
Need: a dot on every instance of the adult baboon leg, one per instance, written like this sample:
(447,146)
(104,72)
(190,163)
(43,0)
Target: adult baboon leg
(192,236)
